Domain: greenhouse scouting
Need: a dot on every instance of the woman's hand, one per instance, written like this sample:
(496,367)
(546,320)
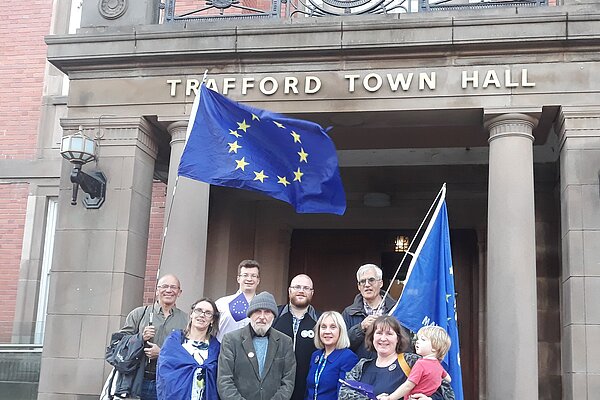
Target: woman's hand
(382,396)
(419,396)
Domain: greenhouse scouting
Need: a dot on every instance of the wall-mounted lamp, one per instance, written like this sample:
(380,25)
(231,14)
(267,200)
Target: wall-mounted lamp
(79,150)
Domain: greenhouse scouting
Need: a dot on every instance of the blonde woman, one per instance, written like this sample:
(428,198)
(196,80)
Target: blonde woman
(331,360)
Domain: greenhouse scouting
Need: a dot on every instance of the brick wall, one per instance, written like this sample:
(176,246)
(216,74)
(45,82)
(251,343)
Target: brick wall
(23,52)
(13,206)
(23,26)
(155,233)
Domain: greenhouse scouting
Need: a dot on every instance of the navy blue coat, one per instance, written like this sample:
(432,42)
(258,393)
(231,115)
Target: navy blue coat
(338,363)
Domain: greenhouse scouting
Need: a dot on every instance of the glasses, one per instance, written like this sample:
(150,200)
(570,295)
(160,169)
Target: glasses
(200,311)
(167,287)
(246,276)
(298,288)
(370,281)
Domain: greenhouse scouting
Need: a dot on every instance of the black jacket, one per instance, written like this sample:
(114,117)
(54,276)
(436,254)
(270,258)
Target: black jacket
(304,343)
(126,354)
(353,315)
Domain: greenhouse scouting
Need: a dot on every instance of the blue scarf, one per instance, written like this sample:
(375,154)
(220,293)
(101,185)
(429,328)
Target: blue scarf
(176,370)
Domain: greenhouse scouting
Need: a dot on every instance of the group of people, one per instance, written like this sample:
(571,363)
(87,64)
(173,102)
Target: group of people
(245,346)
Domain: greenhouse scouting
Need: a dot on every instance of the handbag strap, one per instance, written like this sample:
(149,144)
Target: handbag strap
(403,364)
(141,318)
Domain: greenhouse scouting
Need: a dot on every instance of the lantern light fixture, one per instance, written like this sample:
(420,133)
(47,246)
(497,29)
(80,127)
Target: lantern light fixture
(78,149)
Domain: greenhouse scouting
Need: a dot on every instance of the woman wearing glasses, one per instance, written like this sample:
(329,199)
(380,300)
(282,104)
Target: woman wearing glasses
(332,360)
(187,366)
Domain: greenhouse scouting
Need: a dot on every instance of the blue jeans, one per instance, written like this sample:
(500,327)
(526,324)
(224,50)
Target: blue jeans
(148,390)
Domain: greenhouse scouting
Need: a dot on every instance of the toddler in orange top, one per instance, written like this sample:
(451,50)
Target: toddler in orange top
(426,375)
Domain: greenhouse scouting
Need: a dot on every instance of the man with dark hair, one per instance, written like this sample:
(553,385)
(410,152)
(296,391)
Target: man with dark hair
(297,320)
(257,362)
(233,307)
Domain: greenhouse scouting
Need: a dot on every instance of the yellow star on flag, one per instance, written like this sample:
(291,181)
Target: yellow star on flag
(243,126)
(233,147)
(303,155)
(298,175)
(283,180)
(255,117)
(241,164)
(234,133)
(260,176)
(296,137)
(279,125)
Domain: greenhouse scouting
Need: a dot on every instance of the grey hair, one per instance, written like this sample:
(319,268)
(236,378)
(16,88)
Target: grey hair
(368,267)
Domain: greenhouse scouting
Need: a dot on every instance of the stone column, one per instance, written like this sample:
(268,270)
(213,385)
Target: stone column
(184,252)
(579,137)
(99,262)
(512,348)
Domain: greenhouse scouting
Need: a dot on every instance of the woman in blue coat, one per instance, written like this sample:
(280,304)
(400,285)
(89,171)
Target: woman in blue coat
(187,364)
(332,359)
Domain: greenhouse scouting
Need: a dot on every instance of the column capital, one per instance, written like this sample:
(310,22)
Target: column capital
(510,125)
(115,131)
(177,130)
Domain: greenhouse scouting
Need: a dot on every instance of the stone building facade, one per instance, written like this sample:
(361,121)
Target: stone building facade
(501,104)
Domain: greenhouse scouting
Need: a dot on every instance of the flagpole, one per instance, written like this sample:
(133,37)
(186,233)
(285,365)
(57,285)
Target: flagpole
(195,105)
(440,194)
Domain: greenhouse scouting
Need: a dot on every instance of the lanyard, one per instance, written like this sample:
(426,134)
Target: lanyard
(319,371)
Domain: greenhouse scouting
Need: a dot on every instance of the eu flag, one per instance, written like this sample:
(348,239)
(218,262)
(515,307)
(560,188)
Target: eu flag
(428,296)
(234,145)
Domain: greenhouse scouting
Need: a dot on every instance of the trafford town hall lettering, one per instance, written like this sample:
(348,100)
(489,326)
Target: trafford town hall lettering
(369,82)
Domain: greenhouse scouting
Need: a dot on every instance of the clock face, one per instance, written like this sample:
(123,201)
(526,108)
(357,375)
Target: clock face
(112,9)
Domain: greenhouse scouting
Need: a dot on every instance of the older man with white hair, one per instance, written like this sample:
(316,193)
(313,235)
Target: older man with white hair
(257,362)
(367,306)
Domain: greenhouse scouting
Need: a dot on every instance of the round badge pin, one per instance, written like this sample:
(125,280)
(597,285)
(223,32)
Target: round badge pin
(251,354)
(392,367)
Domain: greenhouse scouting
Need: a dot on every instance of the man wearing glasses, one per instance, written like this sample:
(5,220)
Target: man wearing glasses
(297,320)
(155,323)
(367,306)
(233,307)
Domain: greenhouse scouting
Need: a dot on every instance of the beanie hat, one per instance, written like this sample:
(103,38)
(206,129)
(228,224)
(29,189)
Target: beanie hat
(262,301)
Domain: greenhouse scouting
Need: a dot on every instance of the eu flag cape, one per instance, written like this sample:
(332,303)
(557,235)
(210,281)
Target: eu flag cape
(428,297)
(235,145)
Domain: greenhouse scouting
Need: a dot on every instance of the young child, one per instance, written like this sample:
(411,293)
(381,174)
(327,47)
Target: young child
(426,375)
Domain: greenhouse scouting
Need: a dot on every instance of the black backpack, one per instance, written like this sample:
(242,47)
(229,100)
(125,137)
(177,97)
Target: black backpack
(125,350)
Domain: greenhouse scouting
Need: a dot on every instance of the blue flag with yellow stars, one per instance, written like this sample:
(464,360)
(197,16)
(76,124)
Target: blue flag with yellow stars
(234,145)
(428,297)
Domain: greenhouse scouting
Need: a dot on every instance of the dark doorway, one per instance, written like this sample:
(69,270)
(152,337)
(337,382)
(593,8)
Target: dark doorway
(331,258)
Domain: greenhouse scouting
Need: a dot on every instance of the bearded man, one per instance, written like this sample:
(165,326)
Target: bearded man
(297,320)
(257,362)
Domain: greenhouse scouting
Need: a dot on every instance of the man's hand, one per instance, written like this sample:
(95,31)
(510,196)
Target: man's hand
(367,322)
(419,396)
(148,333)
(152,351)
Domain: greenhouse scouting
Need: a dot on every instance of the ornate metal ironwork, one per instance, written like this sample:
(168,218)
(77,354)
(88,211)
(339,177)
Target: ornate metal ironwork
(444,5)
(236,9)
(221,9)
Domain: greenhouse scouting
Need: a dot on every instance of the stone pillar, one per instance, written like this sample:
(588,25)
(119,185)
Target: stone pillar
(579,136)
(99,262)
(512,348)
(184,252)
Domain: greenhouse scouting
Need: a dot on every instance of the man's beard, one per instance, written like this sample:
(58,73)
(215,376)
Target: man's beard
(260,330)
(300,302)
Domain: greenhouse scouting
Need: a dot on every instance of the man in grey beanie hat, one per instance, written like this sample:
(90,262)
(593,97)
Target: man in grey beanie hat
(257,362)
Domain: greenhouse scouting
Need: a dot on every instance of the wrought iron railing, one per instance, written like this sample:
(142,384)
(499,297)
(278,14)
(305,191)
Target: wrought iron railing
(255,9)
